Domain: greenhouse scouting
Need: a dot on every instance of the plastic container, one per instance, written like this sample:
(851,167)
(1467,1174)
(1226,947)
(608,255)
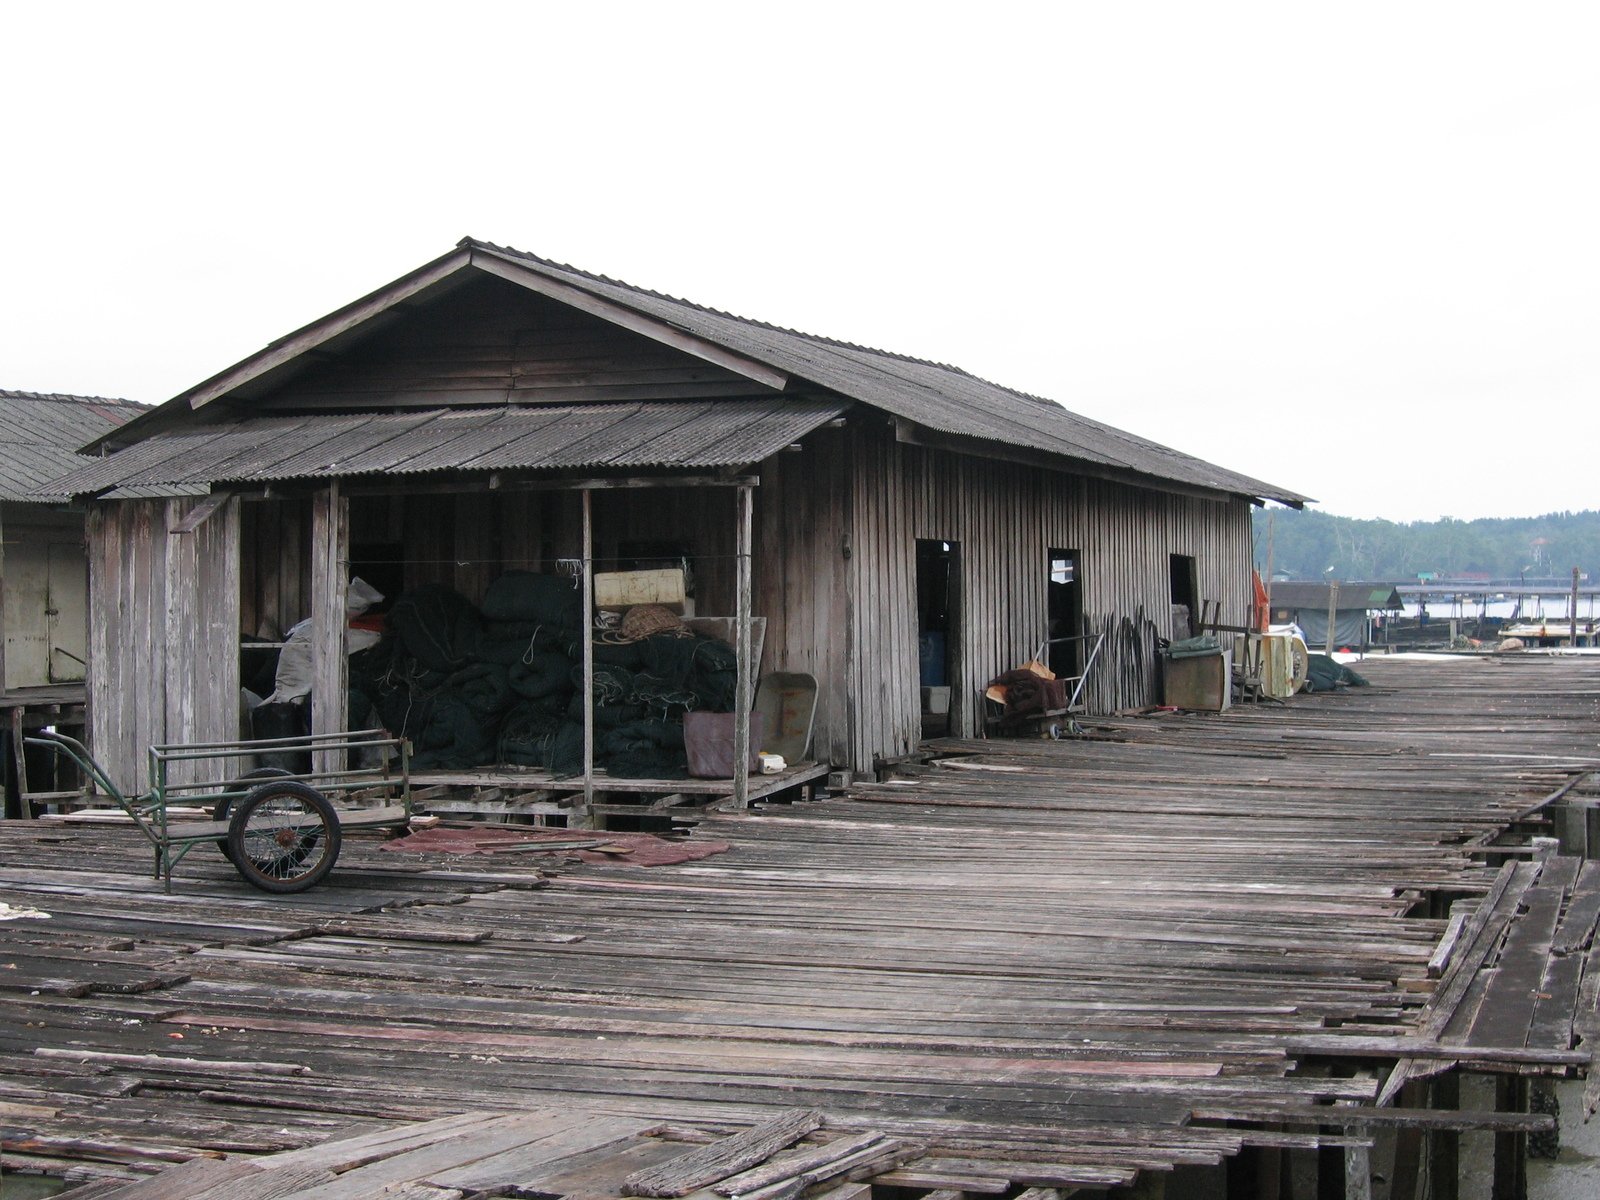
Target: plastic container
(708,742)
(787,702)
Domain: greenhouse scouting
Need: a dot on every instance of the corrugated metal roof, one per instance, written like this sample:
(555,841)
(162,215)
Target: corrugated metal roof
(933,395)
(676,435)
(40,432)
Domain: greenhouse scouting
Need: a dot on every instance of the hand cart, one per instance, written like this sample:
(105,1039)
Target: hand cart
(1053,723)
(280,830)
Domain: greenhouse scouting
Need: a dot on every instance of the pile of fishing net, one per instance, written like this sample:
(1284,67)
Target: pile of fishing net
(503,685)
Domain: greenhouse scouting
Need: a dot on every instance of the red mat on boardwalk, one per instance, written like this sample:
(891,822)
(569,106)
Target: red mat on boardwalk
(634,849)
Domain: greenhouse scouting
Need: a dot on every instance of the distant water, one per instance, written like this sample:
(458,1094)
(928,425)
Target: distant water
(1551,608)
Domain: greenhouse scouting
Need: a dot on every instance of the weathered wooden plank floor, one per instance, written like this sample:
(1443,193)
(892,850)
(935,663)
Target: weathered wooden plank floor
(1037,960)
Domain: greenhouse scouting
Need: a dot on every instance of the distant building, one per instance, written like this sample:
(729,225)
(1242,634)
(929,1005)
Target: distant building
(1306,604)
(44,596)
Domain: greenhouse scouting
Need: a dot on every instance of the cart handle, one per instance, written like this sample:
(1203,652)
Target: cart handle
(79,754)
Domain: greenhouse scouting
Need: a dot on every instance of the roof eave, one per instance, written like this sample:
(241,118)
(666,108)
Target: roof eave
(920,435)
(282,354)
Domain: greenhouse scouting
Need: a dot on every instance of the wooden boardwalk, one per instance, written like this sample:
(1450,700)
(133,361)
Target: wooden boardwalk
(1039,964)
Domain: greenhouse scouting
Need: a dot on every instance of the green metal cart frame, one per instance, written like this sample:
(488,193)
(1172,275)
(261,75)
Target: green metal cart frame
(281,831)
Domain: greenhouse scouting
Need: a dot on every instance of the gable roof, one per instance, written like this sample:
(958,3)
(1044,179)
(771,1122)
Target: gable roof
(933,395)
(40,434)
(924,398)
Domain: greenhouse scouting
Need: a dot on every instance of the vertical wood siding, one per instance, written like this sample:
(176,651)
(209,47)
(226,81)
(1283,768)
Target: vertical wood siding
(1005,519)
(801,521)
(836,527)
(164,631)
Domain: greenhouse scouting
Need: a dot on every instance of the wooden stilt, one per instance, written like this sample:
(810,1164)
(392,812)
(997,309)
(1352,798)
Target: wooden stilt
(1510,1149)
(1357,1172)
(1269,1173)
(1444,1145)
(24,806)
(1405,1175)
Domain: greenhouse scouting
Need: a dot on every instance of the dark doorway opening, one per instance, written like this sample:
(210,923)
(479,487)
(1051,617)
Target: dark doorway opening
(1064,613)
(938,632)
(1185,596)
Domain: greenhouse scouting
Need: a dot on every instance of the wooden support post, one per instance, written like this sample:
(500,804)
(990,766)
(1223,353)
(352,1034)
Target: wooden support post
(24,806)
(1358,1170)
(1405,1177)
(2,610)
(1269,1173)
(584,819)
(1266,584)
(1333,613)
(1444,1145)
(744,693)
(330,586)
(1573,611)
(1510,1149)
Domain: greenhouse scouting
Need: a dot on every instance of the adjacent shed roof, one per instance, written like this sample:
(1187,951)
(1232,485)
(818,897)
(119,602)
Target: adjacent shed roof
(1310,595)
(690,435)
(40,434)
(925,398)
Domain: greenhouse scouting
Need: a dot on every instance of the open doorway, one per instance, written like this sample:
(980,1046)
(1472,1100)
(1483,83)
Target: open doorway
(1064,614)
(1185,595)
(938,631)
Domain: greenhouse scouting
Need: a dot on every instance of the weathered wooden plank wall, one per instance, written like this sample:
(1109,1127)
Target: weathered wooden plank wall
(801,558)
(835,576)
(202,632)
(880,496)
(164,627)
(496,343)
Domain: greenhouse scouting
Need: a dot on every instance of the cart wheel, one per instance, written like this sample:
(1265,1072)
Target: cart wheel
(1055,731)
(284,837)
(223,809)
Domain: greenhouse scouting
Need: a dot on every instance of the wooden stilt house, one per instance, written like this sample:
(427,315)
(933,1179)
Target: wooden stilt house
(43,574)
(899,526)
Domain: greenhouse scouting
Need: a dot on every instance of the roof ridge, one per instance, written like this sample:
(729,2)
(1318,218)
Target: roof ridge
(732,316)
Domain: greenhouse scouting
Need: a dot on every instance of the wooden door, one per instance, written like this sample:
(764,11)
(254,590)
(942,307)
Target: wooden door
(67,611)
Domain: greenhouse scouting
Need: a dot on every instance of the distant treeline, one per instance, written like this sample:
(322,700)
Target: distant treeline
(1306,544)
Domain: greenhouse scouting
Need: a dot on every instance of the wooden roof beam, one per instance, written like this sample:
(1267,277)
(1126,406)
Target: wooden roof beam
(527,275)
(320,332)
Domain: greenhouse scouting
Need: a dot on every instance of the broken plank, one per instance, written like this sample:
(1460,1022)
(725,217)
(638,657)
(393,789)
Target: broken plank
(718,1160)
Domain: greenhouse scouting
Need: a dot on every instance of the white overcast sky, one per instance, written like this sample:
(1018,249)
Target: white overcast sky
(1352,249)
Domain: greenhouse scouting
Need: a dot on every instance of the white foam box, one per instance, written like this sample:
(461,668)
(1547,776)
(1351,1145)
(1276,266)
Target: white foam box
(624,589)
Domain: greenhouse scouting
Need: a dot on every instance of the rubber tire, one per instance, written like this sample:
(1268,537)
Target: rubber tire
(313,853)
(223,809)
